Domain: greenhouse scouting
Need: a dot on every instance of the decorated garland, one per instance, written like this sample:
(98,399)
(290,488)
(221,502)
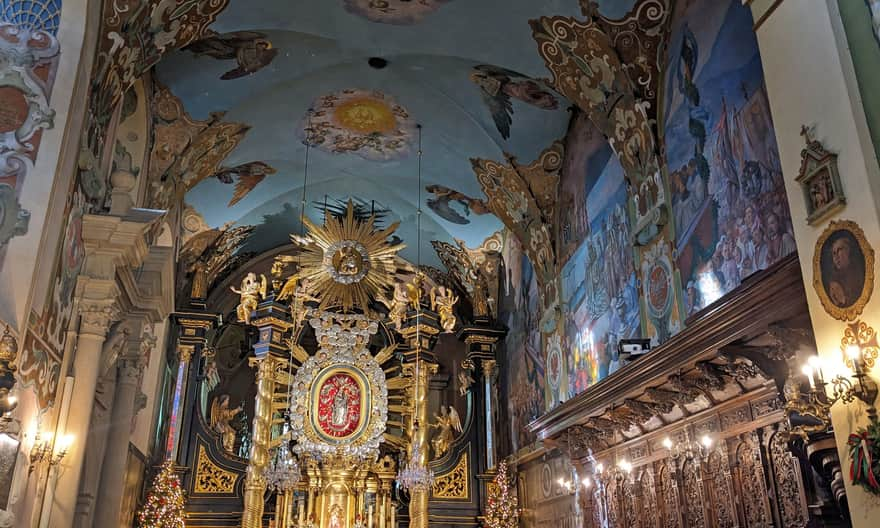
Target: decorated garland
(864,452)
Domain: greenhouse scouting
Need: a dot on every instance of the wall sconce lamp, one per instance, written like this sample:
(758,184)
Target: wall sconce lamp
(688,448)
(45,449)
(860,349)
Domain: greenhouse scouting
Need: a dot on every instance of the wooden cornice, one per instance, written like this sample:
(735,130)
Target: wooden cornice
(771,296)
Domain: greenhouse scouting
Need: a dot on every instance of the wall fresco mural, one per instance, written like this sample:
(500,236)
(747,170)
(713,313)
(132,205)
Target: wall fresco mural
(600,295)
(367,123)
(729,208)
(519,310)
(397,12)
(29,54)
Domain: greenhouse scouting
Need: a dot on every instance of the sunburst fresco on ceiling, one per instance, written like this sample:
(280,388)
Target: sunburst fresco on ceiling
(398,12)
(367,123)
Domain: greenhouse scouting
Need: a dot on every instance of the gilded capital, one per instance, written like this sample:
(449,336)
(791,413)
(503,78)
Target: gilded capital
(490,366)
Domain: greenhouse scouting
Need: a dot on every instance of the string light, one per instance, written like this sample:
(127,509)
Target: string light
(164,505)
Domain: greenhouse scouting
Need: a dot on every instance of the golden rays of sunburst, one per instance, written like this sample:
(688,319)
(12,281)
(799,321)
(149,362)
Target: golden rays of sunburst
(347,262)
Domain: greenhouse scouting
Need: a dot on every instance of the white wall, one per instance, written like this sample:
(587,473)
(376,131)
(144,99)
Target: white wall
(809,79)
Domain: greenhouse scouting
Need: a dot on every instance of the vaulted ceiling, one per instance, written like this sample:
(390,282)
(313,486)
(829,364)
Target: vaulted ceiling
(451,66)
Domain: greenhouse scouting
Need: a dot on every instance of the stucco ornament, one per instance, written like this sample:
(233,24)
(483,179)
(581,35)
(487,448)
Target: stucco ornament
(24,110)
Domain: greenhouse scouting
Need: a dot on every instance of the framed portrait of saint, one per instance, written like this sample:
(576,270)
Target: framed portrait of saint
(843,270)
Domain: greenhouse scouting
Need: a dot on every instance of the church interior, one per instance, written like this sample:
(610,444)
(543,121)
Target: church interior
(447,263)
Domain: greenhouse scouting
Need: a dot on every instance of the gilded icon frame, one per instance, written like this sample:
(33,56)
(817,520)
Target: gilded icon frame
(365,402)
(850,311)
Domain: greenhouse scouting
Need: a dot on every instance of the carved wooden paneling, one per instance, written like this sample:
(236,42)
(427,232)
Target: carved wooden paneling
(694,507)
(719,491)
(669,511)
(750,478)
(787,481)
(646,505)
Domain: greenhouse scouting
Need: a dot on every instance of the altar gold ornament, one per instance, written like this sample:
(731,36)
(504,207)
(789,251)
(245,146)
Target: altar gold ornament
(442,302)
(339,398)
(465,380)
(397,305)
(448,423)
(252,292)
(299,292)
(211,478)
(221,418)
(453,485)
(347,260)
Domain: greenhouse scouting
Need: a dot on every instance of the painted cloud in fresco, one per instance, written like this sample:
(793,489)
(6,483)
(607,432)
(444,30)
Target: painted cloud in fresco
(367,123)
(499,85)
(397,12)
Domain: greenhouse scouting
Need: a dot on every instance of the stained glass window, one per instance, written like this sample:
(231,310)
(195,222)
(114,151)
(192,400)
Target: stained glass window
(32,14)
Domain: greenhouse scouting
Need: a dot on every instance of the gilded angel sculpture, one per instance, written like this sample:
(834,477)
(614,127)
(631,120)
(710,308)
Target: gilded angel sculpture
(221,418)
(442,302)
(397,305)
(448,423)
(251,292)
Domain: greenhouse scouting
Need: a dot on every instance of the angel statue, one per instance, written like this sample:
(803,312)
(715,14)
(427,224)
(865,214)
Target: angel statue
(448,423)
(414,290)
(221,416)
(397,306)
(465,380)
(442,302)
(251,292)
(299,291)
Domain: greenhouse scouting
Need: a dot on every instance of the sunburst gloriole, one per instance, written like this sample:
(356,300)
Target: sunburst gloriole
(346,261)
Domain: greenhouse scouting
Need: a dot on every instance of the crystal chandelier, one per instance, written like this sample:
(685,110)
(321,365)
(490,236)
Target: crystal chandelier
(283,473)
(414,475)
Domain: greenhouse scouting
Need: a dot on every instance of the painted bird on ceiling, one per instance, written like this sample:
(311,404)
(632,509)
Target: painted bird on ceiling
(251,49)
(499,85)
(248,175)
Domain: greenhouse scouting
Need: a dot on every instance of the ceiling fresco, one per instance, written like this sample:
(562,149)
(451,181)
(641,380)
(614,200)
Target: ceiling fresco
(353,79)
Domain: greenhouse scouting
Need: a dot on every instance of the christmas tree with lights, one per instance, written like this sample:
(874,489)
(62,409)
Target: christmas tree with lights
(164,505)
(502,508)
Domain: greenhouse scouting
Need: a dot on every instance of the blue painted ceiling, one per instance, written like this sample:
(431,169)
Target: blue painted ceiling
(323,48)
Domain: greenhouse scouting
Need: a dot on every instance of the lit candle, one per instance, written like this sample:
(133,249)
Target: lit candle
(855,354)
(808,372)
(816,363)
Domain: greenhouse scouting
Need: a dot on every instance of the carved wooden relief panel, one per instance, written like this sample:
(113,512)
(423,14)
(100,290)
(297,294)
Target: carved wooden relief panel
(694,509)
(751,491)
(787,479)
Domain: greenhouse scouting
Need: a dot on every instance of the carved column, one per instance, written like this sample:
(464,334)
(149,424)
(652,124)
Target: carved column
(96,315)
(272,320)
(420,333)
(129,367)
(480,339)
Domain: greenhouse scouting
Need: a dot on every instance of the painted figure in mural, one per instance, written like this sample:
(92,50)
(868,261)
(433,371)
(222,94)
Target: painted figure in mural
(221,416)
(729,205)
(448,423)
(246,176)
(251,292)
(442,302)
(444,198)
(498,85)
(250,49)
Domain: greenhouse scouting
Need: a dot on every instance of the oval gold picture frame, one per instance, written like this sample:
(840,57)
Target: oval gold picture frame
(838,289)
